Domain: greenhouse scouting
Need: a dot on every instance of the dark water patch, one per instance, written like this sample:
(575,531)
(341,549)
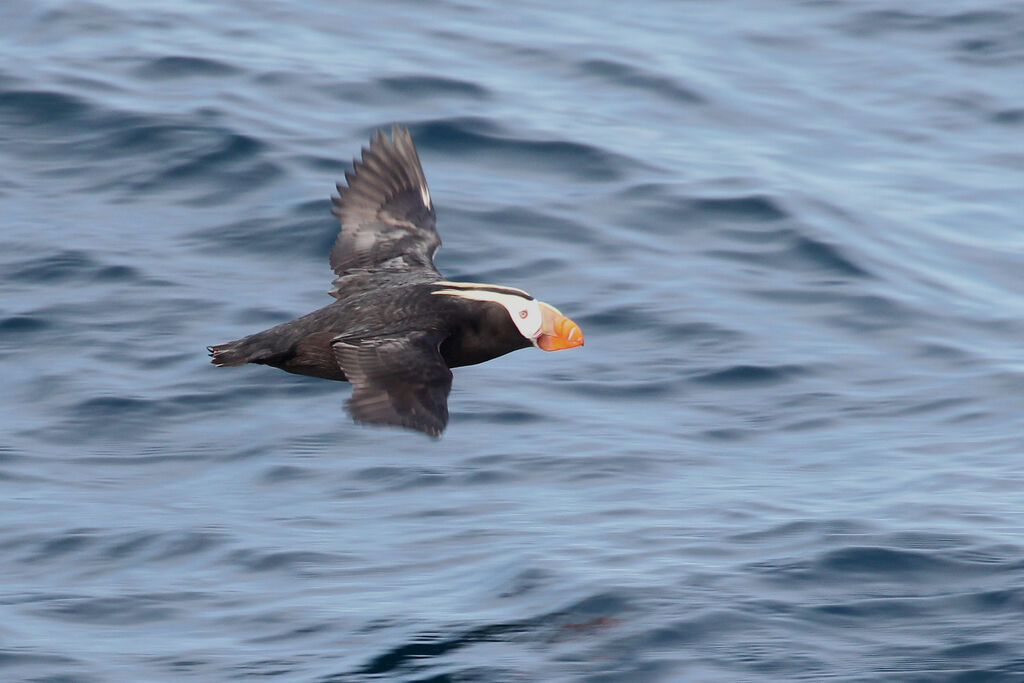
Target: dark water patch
(509,273)
(669,208)
(187,544)
(882,608)
(112,407)
(1009,117)
(753,207)
(17,325)
(803,254)
(662,324)
(991,51)
(1007,600)
(41,108)
(51,549)
(9,82)
(825,256)
(702,627)
(54,24)
(746,375)
(298,561)
(402,478)
(71,265)
(423,647)
(149,135)
(226,148)
(307,229)
(11,477)
(946,352)
(321,165)
(873,563)
(974,650)
(579,620)
(699,335)
(433,86)
(285,473)
(296,633)
(621,75)
(114,610)
(508,416)
(809,425)
(524,221)
(184,67)
(612,389)
(393,91)
(524,582)
(932,406)
(881,561)
(168,153)
(860,312)
(466,135)
(875,22)
(229,163)
(866,313)
(727,434)
(131,546)
(19,657)
(805,529)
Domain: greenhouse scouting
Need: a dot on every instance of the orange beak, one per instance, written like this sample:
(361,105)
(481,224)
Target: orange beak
(557,331)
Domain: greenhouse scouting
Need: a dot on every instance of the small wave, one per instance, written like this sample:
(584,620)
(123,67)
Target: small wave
(463,135)
(71,265)
(872,22)
(299,561)
(26,657)
(757,207)
(621,75)
(230,162)
(304,229)
(41,108)
(526,221)
(184,67)
(433,86)
(877,561)
(1009,117)
(794,252)
(742,375)
(113,610)
(580,619)
(992,36)
(169,153)
(23,324)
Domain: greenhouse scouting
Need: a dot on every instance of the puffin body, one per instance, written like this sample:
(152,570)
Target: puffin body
(397,326)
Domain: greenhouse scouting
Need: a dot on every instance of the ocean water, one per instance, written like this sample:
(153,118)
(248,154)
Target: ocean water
(791,449)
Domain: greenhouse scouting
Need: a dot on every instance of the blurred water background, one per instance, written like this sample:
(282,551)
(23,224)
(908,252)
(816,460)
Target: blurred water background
(791,449)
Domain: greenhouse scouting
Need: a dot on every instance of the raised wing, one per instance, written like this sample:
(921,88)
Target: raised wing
(397,380)
(387,217)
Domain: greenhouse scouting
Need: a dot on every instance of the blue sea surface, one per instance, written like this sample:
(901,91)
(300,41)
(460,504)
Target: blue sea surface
(791,449)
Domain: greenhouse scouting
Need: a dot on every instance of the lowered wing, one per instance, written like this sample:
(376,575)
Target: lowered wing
(398,379)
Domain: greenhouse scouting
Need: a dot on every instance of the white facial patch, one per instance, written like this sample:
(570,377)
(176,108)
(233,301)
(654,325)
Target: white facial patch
(525,313)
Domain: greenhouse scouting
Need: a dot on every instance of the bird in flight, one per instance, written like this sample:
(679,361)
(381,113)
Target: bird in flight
(397,327)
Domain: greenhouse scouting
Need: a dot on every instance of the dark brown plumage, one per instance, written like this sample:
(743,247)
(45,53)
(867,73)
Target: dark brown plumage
(396,326)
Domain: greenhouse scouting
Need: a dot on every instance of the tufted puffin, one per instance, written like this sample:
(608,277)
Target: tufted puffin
(397,327)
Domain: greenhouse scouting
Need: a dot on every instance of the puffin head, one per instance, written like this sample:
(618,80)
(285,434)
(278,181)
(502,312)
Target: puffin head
(541,324)
(544,326)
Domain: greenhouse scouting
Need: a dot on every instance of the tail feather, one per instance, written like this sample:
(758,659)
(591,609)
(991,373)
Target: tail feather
(227,354)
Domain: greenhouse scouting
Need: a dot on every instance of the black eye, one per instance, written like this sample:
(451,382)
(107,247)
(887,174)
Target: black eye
(523,313)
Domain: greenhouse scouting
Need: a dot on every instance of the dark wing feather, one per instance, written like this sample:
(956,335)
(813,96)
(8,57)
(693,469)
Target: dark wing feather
(387,217)
(397,380)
